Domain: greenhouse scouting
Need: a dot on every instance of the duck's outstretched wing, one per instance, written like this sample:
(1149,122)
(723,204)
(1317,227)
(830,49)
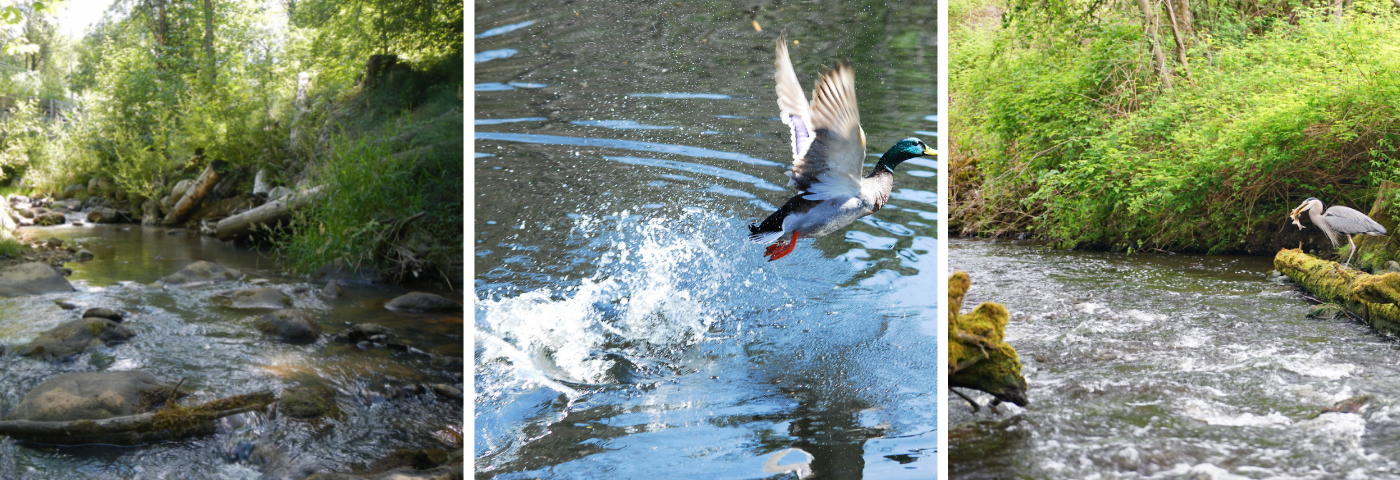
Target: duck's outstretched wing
(792,103)
(830,166)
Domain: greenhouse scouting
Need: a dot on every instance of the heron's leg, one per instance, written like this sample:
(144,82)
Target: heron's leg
(1351,249)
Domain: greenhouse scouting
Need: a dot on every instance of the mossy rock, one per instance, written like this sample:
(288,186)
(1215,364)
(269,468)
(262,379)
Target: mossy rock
(309,402)
(91,396)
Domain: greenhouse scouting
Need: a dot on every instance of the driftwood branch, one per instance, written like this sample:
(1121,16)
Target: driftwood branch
(269,213)
(196,194)
(166,424)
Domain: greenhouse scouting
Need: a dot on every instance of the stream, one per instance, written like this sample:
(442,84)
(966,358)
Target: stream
(1171,366)
(625,328)
(185,333)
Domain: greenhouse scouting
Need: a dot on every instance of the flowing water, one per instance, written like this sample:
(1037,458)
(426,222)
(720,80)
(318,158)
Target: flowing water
(624,326)
(185,333)
(1172,366)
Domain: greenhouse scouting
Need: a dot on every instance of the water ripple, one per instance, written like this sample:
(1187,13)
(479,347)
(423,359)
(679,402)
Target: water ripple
(701,169)
(625,145)
(506,29)
(495,54)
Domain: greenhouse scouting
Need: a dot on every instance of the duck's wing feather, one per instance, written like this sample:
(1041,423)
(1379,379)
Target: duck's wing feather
(830,167)
(792,103)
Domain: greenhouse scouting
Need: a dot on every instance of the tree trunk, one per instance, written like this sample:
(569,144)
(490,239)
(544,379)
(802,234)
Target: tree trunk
(1373,297)
(168,424)
(196,194)
(1180,40)
(1149,20)
(271,212)
(209,35)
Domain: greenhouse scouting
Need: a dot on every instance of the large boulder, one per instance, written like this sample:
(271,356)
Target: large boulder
(70,339)
(50,219)
(423,302)
(32,278)
(72,191)
(105,215)
(292,326)
(270,298)
(201,273)
(91,396)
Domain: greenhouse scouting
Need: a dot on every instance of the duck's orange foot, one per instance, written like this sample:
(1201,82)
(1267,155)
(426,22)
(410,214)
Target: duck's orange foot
(781,248)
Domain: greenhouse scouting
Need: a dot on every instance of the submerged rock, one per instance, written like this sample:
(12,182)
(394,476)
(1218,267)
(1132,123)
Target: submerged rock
(72,338)
(309,402)
(291,326)
(84,255)
(270,298)
(201,273)
(32,279)
(423,302)
(91,396)
(1327,311)
(360,332)
(103,313)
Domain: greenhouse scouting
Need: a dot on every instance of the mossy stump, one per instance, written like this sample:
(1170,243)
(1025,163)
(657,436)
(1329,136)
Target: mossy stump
(1372,297)
(978,356)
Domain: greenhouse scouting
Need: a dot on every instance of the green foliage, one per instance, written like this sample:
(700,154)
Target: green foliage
(1077,143)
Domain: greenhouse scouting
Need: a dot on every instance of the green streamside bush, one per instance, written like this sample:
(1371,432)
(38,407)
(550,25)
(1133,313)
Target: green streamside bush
(1078,143)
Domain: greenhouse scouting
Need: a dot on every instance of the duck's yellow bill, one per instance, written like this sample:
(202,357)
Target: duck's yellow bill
(930,151)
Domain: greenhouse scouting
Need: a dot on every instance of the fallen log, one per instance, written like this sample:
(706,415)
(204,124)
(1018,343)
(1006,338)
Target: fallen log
(172,422)
(271,212)
(195,196)
(978,356)
(1372,297)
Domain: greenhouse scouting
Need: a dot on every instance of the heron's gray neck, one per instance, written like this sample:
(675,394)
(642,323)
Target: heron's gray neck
(1316,217)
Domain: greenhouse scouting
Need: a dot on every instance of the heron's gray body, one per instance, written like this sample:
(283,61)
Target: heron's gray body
(1343,220)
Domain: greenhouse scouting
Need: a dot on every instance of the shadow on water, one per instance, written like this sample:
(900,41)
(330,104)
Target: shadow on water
(625,328)
(189,333)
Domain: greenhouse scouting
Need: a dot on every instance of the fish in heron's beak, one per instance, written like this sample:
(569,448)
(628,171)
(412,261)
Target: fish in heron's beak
(1294,214)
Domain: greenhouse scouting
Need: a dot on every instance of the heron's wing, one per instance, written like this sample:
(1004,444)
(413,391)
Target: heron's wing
(830,168)
(792,103)
(1352,222)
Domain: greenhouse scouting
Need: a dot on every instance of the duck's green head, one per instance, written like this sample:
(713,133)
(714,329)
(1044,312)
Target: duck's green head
(906,149)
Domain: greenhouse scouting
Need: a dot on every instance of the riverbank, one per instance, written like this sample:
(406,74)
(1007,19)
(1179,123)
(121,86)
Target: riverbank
(1081,127)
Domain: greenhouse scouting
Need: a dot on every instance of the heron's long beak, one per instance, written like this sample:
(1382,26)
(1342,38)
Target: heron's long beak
(1298,210)
(930,152)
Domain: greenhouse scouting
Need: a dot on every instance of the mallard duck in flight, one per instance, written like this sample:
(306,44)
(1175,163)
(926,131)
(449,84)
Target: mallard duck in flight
(828,150)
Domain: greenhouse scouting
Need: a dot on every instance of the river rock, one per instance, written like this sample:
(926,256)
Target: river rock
(150,212)
(83,254)
(104,215)
(66,304)
(332,290)
(32,279)
(71,203)
(50,219)
(448,391)
(201,273)
(309,402)
(454,364)
(72,338)
(103,313)
(72,191)
(91,396)
(423,302)
(270,298)
(292,326)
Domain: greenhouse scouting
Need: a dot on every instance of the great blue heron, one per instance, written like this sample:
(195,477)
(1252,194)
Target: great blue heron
(1338,219)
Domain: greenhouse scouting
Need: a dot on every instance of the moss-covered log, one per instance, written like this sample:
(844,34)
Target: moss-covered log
(172,422)
(1373,297)
(978,356)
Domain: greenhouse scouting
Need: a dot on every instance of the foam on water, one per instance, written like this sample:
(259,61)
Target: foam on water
(648,295)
